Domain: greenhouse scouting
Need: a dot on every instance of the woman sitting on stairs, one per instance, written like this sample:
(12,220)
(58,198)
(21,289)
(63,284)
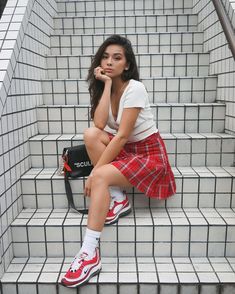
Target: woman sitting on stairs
(133,155)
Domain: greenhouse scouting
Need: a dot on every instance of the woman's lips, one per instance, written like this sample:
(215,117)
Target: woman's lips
(108,70)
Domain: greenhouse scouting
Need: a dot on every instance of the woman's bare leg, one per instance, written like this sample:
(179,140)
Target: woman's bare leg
(88,255)
(103,177)
(96,141)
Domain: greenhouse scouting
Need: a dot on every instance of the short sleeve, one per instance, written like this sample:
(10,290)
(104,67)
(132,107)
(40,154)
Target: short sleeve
(136,96)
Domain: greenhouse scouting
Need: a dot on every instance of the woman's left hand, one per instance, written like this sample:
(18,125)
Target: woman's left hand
(87,189)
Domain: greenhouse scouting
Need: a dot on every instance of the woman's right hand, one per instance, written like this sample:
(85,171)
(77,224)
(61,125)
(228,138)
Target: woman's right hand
(100,75)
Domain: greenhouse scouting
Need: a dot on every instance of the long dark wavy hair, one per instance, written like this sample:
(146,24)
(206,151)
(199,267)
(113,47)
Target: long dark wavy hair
(96,87)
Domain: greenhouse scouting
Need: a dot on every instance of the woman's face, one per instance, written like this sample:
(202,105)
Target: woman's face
(114,61)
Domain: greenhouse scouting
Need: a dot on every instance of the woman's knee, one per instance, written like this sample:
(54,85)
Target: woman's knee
(94,135)
(108,175)
(91,135)
(98,176)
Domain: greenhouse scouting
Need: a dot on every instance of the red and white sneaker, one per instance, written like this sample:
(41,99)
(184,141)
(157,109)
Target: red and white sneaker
(82,269)
(116,210)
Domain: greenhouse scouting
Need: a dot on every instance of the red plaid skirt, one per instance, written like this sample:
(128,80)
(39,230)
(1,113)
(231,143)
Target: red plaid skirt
(145,164)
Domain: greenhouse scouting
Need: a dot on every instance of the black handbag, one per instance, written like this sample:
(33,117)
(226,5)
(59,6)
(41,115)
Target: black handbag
(76,163)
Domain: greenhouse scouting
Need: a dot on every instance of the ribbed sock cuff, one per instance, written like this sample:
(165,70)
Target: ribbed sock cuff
(116,193)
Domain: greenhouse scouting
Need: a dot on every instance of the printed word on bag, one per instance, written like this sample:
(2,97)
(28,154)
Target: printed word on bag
(76,161)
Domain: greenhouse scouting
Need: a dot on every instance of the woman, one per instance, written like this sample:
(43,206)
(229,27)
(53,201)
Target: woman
(134,156)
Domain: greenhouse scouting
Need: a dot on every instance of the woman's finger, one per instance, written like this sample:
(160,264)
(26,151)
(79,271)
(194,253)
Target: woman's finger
(87,192)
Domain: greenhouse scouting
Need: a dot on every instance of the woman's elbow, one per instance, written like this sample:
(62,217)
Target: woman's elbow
(99,126)
(100,123)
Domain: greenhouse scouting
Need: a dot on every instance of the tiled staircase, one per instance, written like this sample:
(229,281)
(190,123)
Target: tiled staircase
(180,246)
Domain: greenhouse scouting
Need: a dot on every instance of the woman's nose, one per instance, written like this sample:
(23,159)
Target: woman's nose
(109,61)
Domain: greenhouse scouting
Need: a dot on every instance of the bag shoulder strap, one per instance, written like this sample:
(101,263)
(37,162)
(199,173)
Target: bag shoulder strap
(69,195)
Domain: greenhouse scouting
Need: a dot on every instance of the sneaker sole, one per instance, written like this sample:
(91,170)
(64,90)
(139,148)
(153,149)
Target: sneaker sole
(93,273)
(124,212)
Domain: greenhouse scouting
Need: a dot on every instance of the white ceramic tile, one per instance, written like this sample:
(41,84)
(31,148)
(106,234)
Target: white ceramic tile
(226,277)
(167,277)
(28,277)
(186,277)
(207,185)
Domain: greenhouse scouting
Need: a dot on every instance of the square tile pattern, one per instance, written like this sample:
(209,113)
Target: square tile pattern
(196,187)
(169,117)
(160,232)
(125,23)
(79,44)
(182,245)
(151,64)
(204,149)
(119,275)
(120,7)
(160,90)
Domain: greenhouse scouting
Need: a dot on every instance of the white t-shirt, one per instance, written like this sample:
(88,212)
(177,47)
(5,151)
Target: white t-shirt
(135,95)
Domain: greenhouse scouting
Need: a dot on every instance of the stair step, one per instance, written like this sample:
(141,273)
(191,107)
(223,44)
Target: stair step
(150,65)
(197,187)
(160,89)
(79,44)
(125,24)
(183,149)
(125,275)
(145,232)
(122,7)
(169,117)
(183,245)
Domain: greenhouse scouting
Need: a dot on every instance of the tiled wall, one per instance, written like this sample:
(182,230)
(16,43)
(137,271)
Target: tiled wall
(24,40)
(221,60)
(230,8)
(25,29)
(120,7)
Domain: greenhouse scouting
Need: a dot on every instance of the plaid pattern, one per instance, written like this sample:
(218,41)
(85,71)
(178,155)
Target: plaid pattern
(145,164)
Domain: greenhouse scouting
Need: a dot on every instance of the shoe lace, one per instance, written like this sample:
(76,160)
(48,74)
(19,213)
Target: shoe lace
(111,204)
(78,262)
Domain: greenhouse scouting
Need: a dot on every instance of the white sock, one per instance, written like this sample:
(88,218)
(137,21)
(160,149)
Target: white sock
(90,242)
(116,193)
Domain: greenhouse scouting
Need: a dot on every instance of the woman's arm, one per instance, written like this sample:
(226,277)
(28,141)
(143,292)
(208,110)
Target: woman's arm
(102,110)
(127,123)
